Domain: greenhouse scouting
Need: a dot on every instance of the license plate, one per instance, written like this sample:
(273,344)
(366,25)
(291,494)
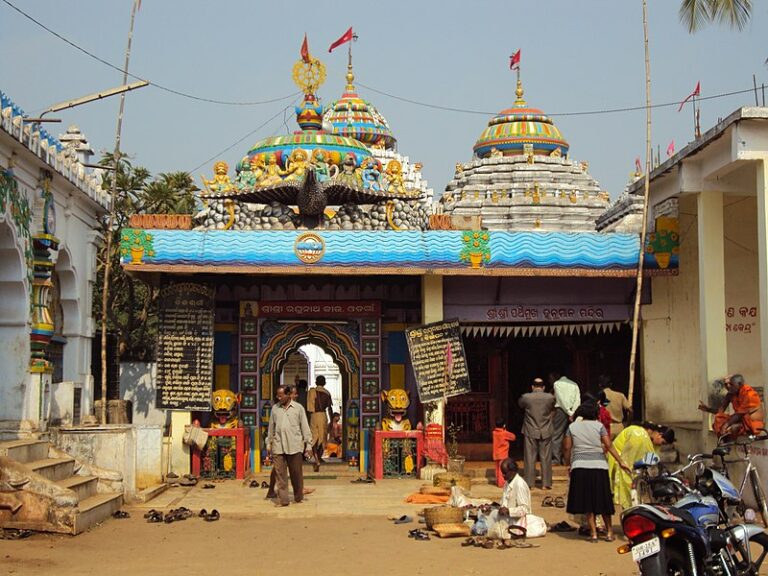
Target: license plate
(645,549)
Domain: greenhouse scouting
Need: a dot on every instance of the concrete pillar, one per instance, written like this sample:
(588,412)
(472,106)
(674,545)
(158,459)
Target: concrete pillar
(714,350)
(432,311)
(762,257)
(180,455)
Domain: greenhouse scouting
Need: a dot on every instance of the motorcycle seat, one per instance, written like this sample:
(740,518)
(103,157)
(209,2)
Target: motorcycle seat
(686,516)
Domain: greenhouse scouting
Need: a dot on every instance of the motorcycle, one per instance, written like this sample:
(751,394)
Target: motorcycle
(695,536)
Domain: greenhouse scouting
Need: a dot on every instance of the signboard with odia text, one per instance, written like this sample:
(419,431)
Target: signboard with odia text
(437,357)
(185,347)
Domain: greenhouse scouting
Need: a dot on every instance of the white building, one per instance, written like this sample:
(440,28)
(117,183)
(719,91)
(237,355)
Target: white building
(50,205)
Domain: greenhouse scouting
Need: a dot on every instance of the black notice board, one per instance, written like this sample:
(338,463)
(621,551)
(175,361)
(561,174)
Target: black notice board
(438,360)
(185,347)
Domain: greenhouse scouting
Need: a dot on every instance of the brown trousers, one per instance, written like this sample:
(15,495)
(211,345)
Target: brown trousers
(285,464)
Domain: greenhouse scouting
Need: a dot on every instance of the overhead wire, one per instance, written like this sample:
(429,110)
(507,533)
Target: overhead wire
(134,76)
(259,127)
(366,86)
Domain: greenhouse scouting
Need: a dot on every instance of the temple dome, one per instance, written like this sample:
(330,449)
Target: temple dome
(309,138)
(353,117)
(511,129)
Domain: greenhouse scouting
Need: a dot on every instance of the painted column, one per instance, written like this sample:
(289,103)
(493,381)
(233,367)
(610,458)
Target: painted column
(762,257)
(714,350)
(432,311)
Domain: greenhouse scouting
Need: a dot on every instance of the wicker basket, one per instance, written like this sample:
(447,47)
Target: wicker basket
(453,530)
(442,515)
(435,490)
(450,479)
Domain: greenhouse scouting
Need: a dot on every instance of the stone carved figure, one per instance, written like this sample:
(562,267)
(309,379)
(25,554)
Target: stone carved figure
(297,165)
(396,402)
(371,174)
(272,172)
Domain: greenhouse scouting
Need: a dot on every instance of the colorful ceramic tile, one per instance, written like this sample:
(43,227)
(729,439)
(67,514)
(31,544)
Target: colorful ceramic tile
(370,386)
(249,327)
(371,405)
(370,328)
(370,366)
(248,382)
(370,422)
(371,346)
(248,345)
(248,364)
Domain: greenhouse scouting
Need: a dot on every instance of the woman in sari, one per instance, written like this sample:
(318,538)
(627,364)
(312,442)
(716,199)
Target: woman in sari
(633,443)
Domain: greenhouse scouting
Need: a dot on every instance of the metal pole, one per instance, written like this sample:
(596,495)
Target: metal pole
(646,188)
(111,223)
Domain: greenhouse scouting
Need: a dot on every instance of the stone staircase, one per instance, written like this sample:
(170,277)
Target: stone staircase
(53,497)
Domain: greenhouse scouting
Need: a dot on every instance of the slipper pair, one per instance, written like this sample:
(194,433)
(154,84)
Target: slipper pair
(154,516)
(557,502)
(177,514)
(211,516)
(418,534)
(562,527)
(120,514)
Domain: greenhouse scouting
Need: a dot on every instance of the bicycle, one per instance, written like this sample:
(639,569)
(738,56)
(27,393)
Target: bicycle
(751,474)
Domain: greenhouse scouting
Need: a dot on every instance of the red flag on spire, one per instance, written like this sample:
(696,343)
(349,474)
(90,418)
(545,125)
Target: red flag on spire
(346,37)
(671,149)
(305,49)
(638,166)
(696,92)
(514,61)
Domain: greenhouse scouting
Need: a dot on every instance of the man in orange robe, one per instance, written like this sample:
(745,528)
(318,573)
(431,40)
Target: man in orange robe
(748,416)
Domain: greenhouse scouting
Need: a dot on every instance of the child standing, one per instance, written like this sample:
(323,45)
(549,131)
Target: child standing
(501,440)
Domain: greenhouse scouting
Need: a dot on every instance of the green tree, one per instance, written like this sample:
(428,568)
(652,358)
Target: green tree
(131,306)
(695,14)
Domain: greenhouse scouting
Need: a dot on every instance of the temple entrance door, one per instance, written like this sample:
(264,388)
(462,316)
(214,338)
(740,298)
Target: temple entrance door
(339,344)
(300,370)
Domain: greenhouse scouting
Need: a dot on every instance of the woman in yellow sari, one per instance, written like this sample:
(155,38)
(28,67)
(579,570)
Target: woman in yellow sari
(633,443)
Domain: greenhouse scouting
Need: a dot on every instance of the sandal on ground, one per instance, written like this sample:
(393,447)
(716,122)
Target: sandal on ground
(264,485)
(404,519)
(592,540)
(208,486)
(253,484)
(155,516)
(120,514)
(559,502)
(151,513)
(548,501)
(203,513)
(609,538)
(213,516)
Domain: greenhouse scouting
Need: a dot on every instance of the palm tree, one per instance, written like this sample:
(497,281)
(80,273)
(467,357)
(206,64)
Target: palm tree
(169,193)
(697,13)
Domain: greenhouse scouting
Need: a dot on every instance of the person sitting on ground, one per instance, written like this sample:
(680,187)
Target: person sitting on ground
(748,416)
(333,444)
(516,502)
(501,440)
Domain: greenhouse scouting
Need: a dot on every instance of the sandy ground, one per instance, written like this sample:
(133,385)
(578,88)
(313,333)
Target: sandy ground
(340,529)
(256,546)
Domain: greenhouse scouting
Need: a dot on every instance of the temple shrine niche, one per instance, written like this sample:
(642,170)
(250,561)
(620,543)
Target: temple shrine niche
(522,177)
(340,171)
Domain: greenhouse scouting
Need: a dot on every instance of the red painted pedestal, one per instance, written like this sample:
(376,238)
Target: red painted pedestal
(242,439)
(380,435)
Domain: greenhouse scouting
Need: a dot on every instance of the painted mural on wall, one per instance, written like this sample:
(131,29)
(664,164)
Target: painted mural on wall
(16,205)
(662,246)
(135,244)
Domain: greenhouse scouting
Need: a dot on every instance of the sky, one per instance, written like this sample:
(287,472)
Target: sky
(583,56)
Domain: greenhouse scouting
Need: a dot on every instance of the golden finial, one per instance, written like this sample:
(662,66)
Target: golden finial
(519,93)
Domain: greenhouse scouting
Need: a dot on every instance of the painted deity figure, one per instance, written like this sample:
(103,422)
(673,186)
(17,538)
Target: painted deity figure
(257,168)
(296,167)
(245,178)
(350,173)
(495,152)
(394,173)
(272,172)
(371,174)
(320,163)
(221,182)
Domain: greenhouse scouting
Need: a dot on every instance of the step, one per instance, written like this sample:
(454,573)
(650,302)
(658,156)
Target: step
(53,468)
(95,509)
(24,450)
(83,486)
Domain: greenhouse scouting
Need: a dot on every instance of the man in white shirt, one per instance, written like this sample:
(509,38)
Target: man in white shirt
(516,503)
(567,399)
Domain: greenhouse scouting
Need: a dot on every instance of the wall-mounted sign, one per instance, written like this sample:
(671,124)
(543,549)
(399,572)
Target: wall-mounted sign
(438,360)
(325,309)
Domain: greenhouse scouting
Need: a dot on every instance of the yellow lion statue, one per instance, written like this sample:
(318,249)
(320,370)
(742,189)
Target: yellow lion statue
(397,402)
(225,405)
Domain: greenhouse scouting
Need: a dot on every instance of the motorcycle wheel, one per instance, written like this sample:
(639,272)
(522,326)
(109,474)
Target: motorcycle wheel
(675,564)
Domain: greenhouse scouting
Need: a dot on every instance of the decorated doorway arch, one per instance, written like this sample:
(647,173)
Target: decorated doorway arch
(340,340)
